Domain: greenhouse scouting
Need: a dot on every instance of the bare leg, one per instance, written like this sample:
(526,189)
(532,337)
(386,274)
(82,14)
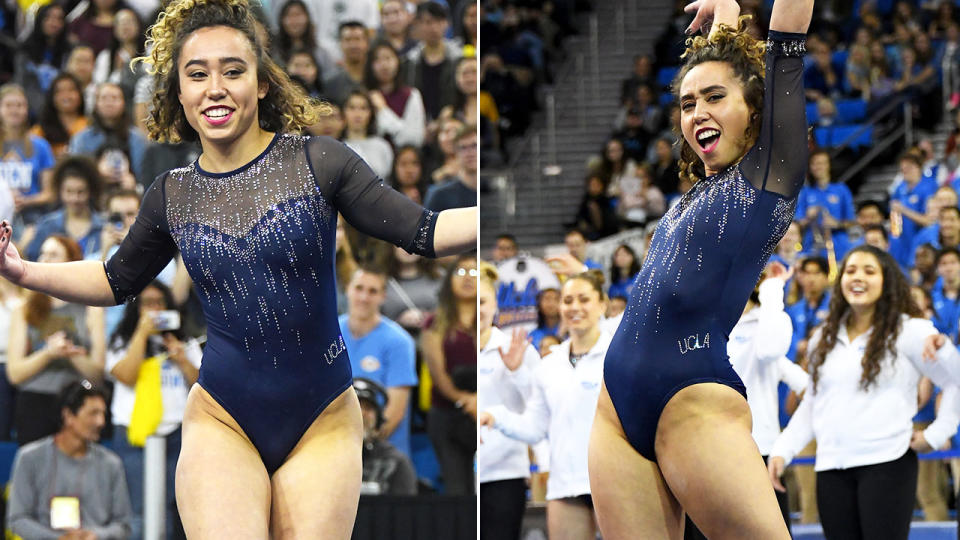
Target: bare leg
(317,489)
(223,490)
(629,493)
(709,460)
(567,520)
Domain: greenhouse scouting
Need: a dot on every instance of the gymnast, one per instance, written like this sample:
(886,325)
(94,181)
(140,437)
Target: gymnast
(672,428)
(254,218)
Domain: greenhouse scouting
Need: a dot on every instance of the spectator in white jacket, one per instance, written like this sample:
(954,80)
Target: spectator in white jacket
(561,408)
(505,368)
(865,364)
(757,347)
(399,108)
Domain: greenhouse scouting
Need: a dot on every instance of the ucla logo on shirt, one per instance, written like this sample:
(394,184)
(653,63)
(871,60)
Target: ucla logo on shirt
(482,371)
(913,199)
(833,199)
(370,363)
(589,385)
(823,313)
(741,339)
(693,342)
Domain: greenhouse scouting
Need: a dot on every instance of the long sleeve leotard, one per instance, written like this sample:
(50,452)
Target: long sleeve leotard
(705,258)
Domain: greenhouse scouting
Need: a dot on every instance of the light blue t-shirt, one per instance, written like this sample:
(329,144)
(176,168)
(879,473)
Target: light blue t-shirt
(387,355)
(22,173)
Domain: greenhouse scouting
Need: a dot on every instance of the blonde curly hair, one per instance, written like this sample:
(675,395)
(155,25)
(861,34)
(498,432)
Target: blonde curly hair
(745,55)
(285,108)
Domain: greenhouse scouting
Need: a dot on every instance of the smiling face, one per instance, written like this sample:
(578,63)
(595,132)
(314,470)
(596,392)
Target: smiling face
(862,280)
(110,102)
(219,90)
(357,113)
(365,294)
(89,420)
(13,110)
(580,305)
(66,96)
(714,115)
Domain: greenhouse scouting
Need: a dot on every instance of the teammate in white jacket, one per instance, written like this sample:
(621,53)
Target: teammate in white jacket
(561,408)
(505,367)
(865,363)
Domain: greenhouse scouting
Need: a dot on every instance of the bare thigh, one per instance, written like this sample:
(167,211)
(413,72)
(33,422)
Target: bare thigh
(630,496)
(317,489)
(569,520)
(223,490)
(711,463)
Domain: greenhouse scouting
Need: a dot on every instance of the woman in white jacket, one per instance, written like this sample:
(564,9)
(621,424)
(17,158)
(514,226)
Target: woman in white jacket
(865,363)
(505,367)
(561,408)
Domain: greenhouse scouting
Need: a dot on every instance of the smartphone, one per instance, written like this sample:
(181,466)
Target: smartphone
(166,320)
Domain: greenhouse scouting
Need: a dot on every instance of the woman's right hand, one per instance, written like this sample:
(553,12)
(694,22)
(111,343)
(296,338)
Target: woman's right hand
(145,324)
(58,345)
(484,419)
(932,344)
(513,356)
(775,468)
(11,264)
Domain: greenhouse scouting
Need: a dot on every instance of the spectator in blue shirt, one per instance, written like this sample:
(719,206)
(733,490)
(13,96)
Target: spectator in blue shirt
(380,350)
(77,184)
(111,124)
(623,271)
(909,201)
(825,206)
(26,158)
(946,293)
(576,243)
(812,308)
(548,316)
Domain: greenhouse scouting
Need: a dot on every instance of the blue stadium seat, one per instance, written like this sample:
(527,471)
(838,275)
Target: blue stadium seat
(665,75)
(812,114)
(839,59)
(666,99)
(836,135)
(851,111)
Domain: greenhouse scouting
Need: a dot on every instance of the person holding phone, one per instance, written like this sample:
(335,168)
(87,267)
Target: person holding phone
(150,329)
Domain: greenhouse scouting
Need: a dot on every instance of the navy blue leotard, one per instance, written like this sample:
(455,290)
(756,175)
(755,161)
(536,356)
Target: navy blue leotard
(259,243)
(705,258)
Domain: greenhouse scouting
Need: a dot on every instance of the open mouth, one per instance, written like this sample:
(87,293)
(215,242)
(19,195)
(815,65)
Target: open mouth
(218,115)
(708,138)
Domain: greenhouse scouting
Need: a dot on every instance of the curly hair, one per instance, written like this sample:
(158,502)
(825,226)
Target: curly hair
(745,55)
(285,107)
(895,300)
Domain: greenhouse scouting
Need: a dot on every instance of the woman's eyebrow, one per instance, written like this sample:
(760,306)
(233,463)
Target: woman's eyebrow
(225,60)
(707,90)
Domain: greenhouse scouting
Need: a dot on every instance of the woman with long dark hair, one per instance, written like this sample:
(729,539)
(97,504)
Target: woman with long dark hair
(127,43)
(361,133)
(297,32)
(623,271)
(41,54)
(400,113)
(865,363)
(142,335)
(63,115)
(449,343)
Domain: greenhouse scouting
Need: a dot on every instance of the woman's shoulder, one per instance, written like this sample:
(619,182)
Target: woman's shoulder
(915,327)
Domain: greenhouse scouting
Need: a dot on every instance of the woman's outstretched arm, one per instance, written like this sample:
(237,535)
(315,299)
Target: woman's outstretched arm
(791,16)
(456,231)
(81,282)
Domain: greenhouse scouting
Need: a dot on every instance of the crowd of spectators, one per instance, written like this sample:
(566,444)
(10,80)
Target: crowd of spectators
(401,77)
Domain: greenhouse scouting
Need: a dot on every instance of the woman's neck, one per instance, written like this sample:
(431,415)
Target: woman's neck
(466,312)
(11,133)
(584,340)
(387,87)
(551,321)
(354,134)
(859,321)
(77,214)
(227,157)
(822,183)
(483,336)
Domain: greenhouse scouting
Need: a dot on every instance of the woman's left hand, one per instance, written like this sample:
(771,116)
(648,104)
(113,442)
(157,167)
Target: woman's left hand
(712,11)
(174,348)
(513,356)
(778,270)
(919,444)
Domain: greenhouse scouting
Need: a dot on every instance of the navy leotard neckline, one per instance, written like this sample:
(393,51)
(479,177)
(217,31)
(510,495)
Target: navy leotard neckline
(245,166)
